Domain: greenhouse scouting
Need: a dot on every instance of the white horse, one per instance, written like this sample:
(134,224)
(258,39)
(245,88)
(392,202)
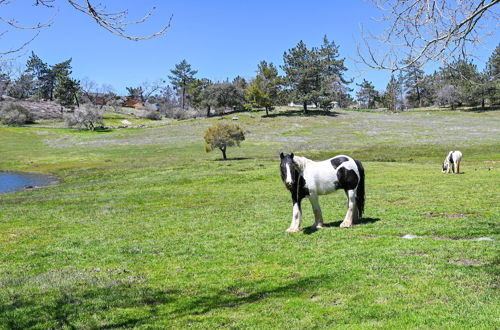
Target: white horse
(306,178)
(452,162)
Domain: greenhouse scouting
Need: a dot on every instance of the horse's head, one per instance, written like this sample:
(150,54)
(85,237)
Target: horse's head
(288,171)
(444,167)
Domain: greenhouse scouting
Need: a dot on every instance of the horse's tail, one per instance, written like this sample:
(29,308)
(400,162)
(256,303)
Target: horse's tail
(360,191)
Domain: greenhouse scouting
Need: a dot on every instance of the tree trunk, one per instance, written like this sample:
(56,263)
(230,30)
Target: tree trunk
(183,97)
(208,111)
(223,149)
(305,107)
(419,98)
(267,111)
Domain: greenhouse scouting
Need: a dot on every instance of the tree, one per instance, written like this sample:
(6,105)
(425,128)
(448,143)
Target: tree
(393,97)
(97,95)
(112,20)
(492,76)
(223,135)
(422,31)
(67,91)
(38,70)
(333,85)
(448,94)
(302,72)
(413,77)
(464,76)
(182,79)
(316,74)
(262,92)
(200,97)
(86,116)
(367,95)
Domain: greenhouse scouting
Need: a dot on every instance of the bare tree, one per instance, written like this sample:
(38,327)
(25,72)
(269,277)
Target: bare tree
(420,31)
(114,22)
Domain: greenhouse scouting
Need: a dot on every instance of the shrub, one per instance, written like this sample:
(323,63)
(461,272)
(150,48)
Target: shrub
(12,114)
(87,117)
(152,115)
(179,113)
(223,135)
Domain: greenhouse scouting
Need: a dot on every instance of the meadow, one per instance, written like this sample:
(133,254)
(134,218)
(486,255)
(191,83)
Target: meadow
(147,230)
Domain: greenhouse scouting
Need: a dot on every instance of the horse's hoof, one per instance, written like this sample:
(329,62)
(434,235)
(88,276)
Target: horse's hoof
(319,227)
(345,225)
(292,230)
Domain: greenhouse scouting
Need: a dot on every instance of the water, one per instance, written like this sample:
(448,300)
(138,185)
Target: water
(17,181)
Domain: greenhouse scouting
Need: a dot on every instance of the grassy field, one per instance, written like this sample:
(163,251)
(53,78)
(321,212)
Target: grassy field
(147,230)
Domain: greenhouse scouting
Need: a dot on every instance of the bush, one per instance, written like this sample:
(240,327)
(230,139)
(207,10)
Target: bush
(179,113)
(87,117)
(12,114)
(223,135)
(152,115)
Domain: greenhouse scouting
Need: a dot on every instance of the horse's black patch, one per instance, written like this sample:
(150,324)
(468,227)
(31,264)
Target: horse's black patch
(338,160)
(298,186)
(451,157)
(348,179)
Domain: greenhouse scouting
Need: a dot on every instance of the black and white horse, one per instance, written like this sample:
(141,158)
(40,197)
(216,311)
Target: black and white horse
(452,162)
(306,178)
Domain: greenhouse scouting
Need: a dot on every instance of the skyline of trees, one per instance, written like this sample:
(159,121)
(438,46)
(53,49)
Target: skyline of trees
(313,75)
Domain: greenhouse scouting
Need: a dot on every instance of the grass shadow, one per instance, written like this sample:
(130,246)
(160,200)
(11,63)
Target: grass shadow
(363,221)
(250,292)
(481,110)
(297,113)
(65,306)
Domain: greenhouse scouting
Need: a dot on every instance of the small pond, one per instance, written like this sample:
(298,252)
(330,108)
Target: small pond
(17,181)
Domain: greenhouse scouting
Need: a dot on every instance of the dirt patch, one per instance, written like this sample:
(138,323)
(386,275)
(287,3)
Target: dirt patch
(466,262)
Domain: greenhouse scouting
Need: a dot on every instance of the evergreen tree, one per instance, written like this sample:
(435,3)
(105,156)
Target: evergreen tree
(367,95)
(466,79)
(39,71)
(182,79)
(302,73)
(67,91)
(59,84)
(263,90)
(413,77)
(492,76)
(333,85)
(315,75)
(393,93)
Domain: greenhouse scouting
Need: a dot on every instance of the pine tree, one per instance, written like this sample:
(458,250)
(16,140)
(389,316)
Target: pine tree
(492,75)
(182,79)
(367,95)
(263,90)
(302,72)
(413,77)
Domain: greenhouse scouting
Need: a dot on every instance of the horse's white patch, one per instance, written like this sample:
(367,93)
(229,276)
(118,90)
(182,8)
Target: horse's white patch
(288,179)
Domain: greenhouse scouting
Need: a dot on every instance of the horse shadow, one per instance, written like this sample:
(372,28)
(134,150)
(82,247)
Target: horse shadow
(363,221)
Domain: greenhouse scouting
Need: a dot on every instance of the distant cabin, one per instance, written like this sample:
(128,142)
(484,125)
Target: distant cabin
(132,102)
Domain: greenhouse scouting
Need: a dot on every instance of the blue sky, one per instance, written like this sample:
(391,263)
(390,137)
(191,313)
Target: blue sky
(219,38)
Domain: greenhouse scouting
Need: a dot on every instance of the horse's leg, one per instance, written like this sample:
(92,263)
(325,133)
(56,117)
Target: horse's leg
(296,218)
(352,210)
(458,167)
(318,216)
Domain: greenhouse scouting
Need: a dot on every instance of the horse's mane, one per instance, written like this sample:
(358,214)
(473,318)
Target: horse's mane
(300,162)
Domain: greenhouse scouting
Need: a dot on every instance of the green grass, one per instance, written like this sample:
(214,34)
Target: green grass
(147,230)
